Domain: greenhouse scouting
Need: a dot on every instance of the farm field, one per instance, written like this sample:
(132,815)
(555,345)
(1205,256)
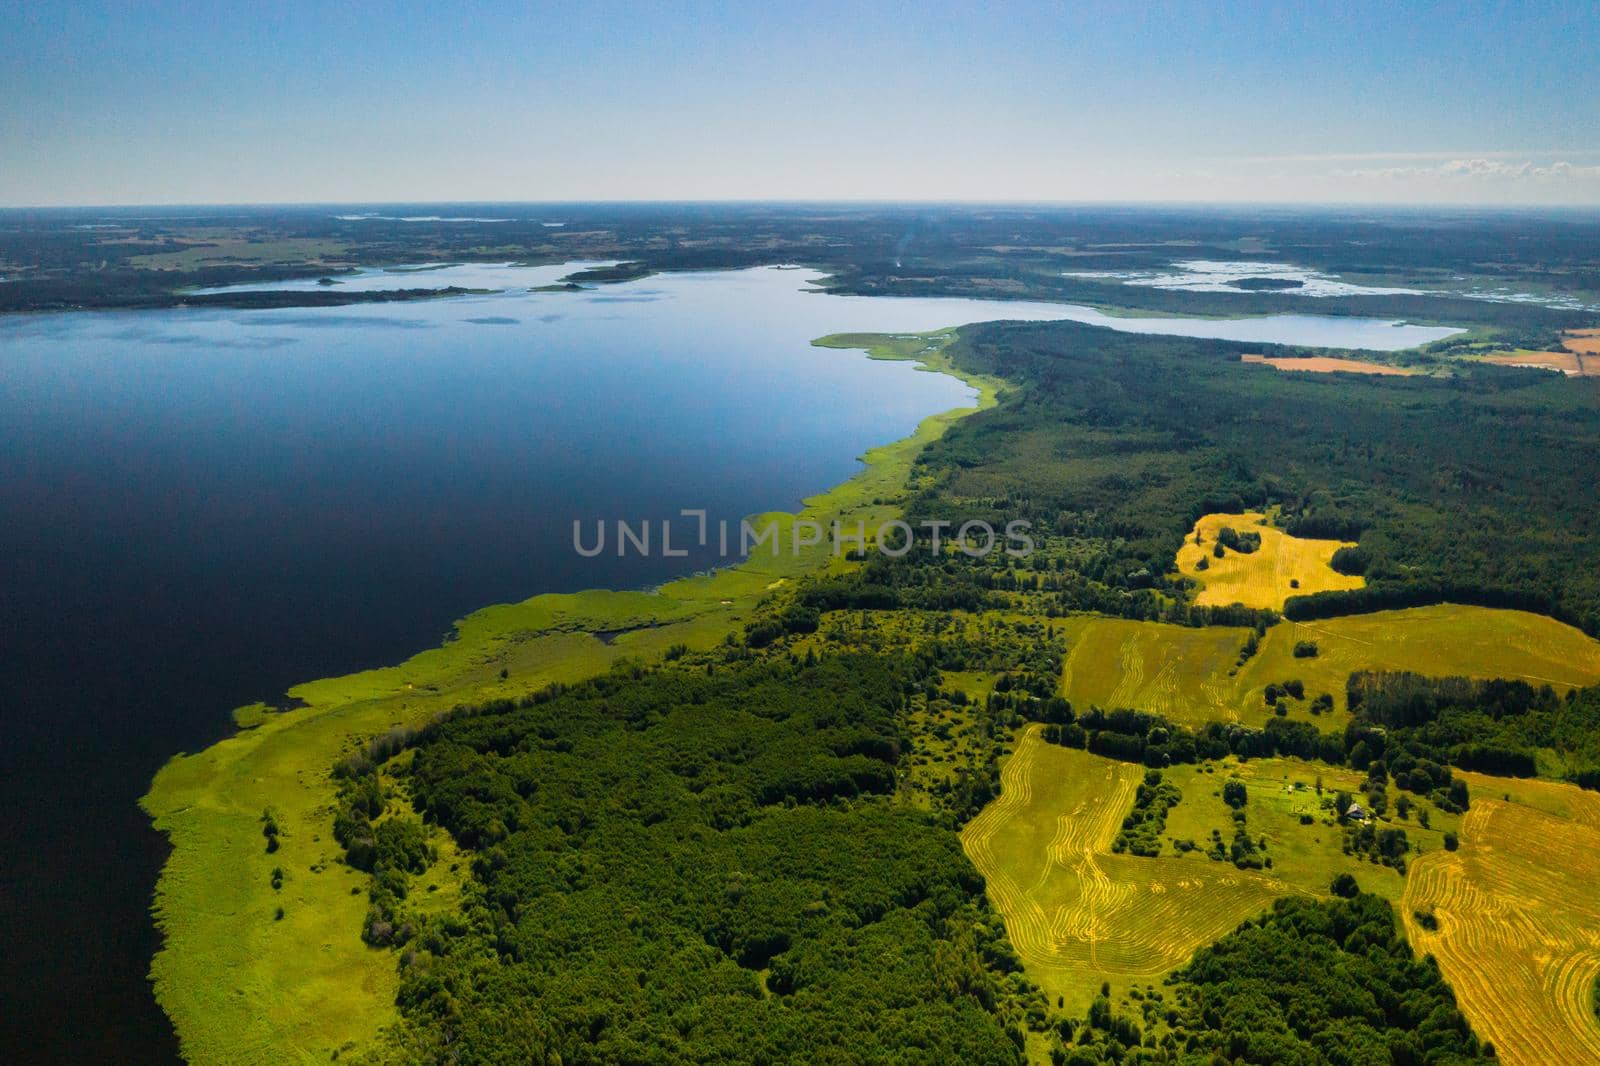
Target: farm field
(1518,931)
(1192,675)
(1583,341)
(1578,356)
(1175,671)
(1078,914)
(1569,363)
(1261,578)
(1323,364)
(1518,924)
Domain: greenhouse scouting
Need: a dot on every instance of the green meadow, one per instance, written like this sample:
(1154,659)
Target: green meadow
(1194,675)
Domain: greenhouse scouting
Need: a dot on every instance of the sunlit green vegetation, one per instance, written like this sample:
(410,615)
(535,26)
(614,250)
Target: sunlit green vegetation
(225,952)
(1196,675)
(1120,443)
(697,864)
(752,850)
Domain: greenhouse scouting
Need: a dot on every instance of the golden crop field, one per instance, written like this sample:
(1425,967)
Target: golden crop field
(1260,578)
(1078,914)
(1183,673)
(1569,363)
(1582,341)
(1324,364)
(1518,932)
(1176,671)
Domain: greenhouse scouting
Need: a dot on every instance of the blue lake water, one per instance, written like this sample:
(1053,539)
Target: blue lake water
(1321,331)
(199,508)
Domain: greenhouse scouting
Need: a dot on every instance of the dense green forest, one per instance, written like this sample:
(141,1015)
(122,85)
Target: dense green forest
(1509,728)
(1310,982)
(1466,489)
(1319,982)
(691,865)
(707,862)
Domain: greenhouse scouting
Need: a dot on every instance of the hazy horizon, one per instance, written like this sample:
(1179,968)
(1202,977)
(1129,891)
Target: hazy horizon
(110,103)
(1251,206)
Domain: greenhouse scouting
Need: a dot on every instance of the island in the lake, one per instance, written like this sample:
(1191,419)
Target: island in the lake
(1268,284)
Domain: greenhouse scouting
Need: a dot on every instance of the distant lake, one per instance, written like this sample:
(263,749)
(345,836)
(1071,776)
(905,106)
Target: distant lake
(200,508)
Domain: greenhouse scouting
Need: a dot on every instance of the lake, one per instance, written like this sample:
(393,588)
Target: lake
(200,508)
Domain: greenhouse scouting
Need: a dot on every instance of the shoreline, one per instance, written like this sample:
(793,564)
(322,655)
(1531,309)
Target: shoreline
(238,984)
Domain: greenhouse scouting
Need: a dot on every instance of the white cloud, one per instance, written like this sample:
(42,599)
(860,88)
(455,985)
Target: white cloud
(1480,169)
(1350,157)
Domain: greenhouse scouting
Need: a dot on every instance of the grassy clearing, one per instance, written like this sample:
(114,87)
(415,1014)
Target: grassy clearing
(1283,566)
(1192,676)
(1076,913)
(1516,918)
(241,985)
(1281,792)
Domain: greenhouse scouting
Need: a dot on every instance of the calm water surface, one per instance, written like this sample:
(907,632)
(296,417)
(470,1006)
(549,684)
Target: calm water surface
(200,508)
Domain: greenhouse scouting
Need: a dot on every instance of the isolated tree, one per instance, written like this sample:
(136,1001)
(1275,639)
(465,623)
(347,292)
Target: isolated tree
(1234,794)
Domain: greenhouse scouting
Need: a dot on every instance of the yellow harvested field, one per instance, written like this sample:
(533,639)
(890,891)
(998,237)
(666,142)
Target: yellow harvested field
(1582,341)
(1078,914)
(1183,674)
(1321,364)
(1568,363)
(1518,934)
(1579,355)
(1448,639)
(1262,577)
(1180,672)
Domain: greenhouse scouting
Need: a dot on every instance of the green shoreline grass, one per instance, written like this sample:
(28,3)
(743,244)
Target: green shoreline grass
(242,985)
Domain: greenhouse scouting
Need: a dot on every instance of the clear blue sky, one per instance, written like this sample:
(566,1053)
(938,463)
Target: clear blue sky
(155,102)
